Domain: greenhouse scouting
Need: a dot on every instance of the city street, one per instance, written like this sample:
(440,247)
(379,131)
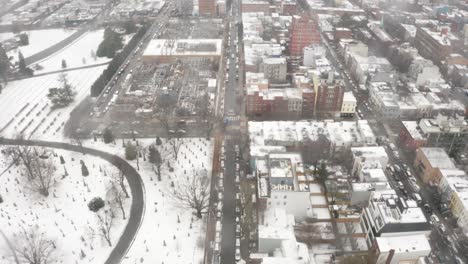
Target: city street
(232,111)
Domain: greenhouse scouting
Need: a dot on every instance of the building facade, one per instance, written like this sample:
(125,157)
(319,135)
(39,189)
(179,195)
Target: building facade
(329,94)
(304,32)
(207,7)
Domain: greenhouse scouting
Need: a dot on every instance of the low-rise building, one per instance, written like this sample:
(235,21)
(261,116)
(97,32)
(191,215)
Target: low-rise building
(348,108)
(278,184)
(275,69)
(400,249)
(435,44)
(454,186)
(384,100)
(165,50)
(390,216)
(338,136)
(429,161)
(363,156)
(411,136)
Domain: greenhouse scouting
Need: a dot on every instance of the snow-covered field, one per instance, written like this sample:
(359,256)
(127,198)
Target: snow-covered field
(63,216)
(78,54)
(39,40)
(162,238)
(25,108)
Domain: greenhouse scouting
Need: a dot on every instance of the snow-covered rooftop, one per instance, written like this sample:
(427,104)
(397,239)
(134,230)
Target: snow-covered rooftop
(438,158)
(404,244)
(183,47)
(289,132)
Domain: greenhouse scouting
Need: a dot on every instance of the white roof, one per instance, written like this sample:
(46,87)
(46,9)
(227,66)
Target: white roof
(349,97)
(438,158)
(402,244)
(184,47)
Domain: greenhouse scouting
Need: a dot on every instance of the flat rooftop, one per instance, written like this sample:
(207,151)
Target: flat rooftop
(438,158)
(404,244)
(183,47)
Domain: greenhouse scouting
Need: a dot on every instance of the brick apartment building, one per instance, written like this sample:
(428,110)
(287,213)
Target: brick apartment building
(207,7)
(275,103)
(330,92)
(435,45)
(253,6)
(304,32)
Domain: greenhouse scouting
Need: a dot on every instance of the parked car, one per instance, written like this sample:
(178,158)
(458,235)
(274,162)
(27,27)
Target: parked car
(427,208)
(434,219)
(238,255)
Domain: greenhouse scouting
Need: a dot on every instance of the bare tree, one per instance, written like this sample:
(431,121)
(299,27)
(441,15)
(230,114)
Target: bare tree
(32,247)
(116,197)
(166,104)
(106,223)
(119,178)
(22,155)
(307,232)
(192,193)
(38,166)
(155,157)
(176,143)
(44,175)
(10,247)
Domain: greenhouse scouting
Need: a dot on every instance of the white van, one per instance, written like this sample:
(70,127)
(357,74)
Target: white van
(417,198)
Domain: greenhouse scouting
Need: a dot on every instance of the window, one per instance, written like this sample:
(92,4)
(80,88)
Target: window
(284,203)
(285,197)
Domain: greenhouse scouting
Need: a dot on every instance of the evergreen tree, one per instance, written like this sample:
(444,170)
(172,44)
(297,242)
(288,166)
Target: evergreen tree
(130,151)
(4,63)
(129,27)
(108,136)
(24,39)
(110,45)
(64,64)
(63,96)
(84,170)
(95,204)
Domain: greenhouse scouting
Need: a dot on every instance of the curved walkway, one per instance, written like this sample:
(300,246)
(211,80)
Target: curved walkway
(134,181)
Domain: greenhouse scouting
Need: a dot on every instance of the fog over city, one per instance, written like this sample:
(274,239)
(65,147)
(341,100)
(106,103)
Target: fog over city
(233,131)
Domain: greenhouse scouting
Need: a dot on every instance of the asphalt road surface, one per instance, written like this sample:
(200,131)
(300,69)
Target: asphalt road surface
(232,112)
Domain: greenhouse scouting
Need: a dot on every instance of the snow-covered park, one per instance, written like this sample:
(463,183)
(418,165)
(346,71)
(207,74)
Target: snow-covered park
(63,218)
(25,108)
(82,52)
(170,232)
(39,40)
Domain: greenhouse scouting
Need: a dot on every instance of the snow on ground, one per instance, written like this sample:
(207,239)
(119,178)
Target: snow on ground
(82,52)
(25,108)
(160,223)
(40,40)
(6,35)
(63,215)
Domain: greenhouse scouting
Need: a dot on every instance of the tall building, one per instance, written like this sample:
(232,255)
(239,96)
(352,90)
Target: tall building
(207,7)
(329,94)
(304,32)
